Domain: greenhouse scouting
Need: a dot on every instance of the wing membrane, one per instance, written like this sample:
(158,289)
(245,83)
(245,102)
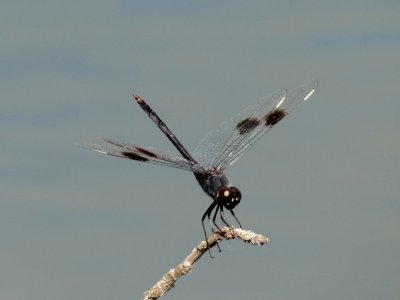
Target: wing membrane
(145,154)
(224,145)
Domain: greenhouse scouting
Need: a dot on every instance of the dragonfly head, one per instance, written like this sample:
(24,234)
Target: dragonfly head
(229,196)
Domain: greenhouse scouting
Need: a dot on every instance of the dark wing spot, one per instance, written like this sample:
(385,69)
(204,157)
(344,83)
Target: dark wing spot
(146,152)
(247,125)
(274,117)
(133,156)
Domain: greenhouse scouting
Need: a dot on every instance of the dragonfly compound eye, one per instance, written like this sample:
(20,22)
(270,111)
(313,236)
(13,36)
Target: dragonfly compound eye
(229,196)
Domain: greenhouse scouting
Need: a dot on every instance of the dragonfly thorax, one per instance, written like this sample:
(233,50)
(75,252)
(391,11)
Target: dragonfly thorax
(212,183)
(229,196)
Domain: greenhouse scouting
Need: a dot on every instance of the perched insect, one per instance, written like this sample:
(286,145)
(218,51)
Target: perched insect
(219,149)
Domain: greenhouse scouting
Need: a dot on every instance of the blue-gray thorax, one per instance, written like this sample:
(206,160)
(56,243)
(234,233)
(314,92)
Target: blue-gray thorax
(211,183)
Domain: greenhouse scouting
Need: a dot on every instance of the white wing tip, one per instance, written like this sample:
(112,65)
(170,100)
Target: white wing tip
(309,95)
(280,102)
(99,151)
(313,85)
(94,148)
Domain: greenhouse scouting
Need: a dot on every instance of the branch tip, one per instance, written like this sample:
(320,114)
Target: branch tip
(168,280)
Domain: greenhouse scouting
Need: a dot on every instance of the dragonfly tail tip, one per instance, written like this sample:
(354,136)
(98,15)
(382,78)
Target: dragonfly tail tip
(137,98)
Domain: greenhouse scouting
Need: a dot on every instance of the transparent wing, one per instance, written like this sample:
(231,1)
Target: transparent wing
(224,145)
(145,154)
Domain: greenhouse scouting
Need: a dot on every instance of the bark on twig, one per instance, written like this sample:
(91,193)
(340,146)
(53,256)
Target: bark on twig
(168,280)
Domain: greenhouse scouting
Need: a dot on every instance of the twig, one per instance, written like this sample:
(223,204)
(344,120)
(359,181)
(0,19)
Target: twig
(168,280)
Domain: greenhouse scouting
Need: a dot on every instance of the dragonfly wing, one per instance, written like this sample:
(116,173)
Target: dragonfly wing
(145,154)
(224,145)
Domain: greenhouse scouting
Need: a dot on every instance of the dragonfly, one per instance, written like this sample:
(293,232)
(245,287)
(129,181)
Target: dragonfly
(219,149)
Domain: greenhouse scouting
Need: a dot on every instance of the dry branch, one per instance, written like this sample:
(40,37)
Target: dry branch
(168,280)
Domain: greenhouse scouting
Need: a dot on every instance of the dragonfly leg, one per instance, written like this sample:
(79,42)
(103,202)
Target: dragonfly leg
(237,220)
(212,224)
(222,217)
(207,214)
(215,218)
